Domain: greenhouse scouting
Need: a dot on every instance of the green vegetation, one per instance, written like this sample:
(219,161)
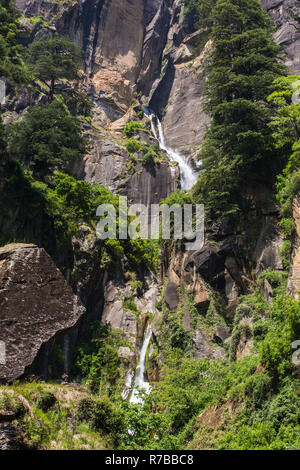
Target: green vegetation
(285,125)
(54,59)
(148,154)
(48,139)
(250,403)
(11,66)
(97,361)
(50,416)
(42,201)
(204,404)
(248,398)
(200,11)
(239,146)
(131,127)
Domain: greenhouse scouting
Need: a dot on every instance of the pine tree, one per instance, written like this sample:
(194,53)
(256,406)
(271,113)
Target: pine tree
(51,60)
(242,66)
(49,139)
(200,11)
(11,66)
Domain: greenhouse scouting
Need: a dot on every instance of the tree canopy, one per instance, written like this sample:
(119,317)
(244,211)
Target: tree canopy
(54,59)
(243,63)
(11,66)
(48,139)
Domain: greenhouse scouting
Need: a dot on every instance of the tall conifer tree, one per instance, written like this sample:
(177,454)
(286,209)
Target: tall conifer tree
(243,64)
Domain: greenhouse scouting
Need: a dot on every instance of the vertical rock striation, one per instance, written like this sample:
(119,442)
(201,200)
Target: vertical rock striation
(294,277)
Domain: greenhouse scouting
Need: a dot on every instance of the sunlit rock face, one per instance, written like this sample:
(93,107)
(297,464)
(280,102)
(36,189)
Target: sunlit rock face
(147,52)
(294,278)
(150,47)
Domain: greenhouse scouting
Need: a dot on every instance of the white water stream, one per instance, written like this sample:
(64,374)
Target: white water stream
(188,176)
(140,382)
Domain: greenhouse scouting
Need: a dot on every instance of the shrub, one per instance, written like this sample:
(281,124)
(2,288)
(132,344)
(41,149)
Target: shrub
(133,145)
(131,127)
(130,305)
(46,400)
(148,158)
(48,139)
(102,415)
(284,408)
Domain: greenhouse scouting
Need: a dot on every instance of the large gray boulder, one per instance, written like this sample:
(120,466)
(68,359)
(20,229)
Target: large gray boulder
(36,303)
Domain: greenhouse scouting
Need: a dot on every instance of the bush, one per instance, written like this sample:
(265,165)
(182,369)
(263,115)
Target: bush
(97,361)
(284,408)
(130,305)
(284,328)
(149,158)
(131,127)
(133,145)
(102,415)
(46,400)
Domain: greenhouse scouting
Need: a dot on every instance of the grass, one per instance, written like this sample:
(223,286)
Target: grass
(52,426)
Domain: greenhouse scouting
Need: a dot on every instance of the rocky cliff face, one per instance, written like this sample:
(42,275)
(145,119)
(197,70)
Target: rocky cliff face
(294,279)
(149,54)
(148,48)
(36,304)
(286,15)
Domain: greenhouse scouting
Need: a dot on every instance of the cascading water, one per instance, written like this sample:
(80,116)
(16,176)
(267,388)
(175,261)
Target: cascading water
(188,176)
(140,382)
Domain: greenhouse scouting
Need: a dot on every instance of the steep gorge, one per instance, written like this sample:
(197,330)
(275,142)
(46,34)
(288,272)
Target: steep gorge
(136,55)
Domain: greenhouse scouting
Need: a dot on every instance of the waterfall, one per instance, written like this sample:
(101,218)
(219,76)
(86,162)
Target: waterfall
(140,383)
(188,176)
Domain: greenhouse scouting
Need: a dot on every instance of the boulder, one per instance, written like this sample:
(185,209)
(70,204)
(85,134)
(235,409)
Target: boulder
(209,263)
(171,296)
(124,352)
(203,349)
(266,291)
(36,303)
(10,437)
(202,300)
(244,348)
(221,334)
(201,346)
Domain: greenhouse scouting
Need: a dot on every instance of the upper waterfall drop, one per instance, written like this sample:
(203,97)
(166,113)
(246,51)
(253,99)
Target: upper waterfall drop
(188,176)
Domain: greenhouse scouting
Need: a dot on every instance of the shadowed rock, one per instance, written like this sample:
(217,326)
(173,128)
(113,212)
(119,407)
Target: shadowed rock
(35,304)
(221,334)
(171,296)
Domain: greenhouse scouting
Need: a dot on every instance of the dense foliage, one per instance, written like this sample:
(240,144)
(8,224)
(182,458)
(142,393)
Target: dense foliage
(285,125)
(11,66)
(248,399)
(49,139)
(200,11)
(53,59)
(239,146)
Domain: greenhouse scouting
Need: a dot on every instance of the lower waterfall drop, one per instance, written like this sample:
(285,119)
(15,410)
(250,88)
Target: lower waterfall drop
(188,176)
(140,382)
